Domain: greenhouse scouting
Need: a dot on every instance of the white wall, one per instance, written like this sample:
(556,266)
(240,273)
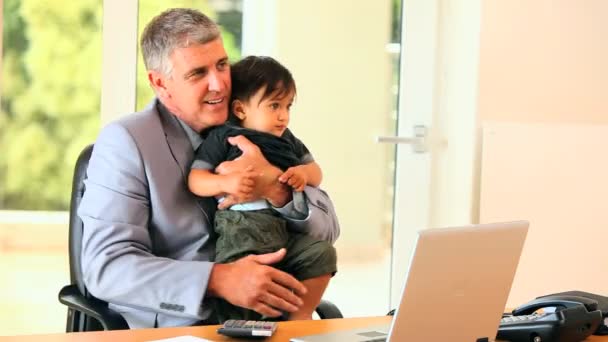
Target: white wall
(511,61)
(530,171)
(544,61)
(543,75)
(523,62)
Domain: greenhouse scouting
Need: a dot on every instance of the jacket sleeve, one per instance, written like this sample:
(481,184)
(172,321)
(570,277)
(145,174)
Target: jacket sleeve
(118,258)
(312,212)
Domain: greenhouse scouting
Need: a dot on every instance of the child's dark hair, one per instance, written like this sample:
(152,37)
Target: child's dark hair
(252,73)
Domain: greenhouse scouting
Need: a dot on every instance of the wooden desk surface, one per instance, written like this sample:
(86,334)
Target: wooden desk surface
(285,331)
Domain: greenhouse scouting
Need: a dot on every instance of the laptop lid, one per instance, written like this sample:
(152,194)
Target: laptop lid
(456,287)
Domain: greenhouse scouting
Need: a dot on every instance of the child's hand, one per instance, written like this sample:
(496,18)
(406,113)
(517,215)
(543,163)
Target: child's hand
(294,177)
(240,185)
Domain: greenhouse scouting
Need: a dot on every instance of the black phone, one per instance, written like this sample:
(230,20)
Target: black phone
(602,306)
(573,319)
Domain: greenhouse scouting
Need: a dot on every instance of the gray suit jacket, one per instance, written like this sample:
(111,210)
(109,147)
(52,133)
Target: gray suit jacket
(147,245)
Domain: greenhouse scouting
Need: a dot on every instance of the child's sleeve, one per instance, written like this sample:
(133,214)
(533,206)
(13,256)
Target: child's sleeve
(211,152)
(300,149)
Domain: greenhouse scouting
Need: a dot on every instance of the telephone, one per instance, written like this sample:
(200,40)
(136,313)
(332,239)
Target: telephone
(574,319)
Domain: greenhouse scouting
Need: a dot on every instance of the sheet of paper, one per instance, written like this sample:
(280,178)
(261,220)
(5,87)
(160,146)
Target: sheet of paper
(183,339)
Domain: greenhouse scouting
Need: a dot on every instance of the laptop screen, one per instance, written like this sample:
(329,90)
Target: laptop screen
(456,287)
(458,282)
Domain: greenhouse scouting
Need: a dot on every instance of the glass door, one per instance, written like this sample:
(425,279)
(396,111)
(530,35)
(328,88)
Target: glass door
(437,173)
(413,157)
(344,56)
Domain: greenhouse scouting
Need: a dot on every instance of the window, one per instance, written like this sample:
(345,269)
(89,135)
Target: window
(51,66)
(49,110)
(50,95)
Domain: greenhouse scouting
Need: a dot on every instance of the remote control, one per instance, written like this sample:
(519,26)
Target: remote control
(243,328)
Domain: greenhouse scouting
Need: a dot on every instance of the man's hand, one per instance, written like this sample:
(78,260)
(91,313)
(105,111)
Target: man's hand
(266,183)
(238,186)
(251,283)
(295,177)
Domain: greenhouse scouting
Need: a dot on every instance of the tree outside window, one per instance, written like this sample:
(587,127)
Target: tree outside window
(51,81)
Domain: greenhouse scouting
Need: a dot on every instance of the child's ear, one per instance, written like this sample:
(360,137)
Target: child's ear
(238,109)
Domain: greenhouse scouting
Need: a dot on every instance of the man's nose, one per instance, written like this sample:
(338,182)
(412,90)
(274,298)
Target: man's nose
(215,81)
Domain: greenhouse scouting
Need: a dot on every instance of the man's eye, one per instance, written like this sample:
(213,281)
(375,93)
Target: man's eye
(222,65)
(197,74)
(274,105)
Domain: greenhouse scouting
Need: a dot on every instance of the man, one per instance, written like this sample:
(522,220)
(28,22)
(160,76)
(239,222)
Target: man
(147,244)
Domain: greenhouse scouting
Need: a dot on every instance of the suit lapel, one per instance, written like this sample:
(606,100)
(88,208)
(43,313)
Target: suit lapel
(177,141)
(183,153)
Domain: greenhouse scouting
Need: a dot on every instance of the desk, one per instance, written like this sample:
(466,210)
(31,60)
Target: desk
(283,333)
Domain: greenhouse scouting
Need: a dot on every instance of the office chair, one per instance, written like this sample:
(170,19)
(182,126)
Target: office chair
(85,312)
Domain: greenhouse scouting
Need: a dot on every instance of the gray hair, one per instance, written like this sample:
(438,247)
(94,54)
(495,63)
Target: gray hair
(174,28)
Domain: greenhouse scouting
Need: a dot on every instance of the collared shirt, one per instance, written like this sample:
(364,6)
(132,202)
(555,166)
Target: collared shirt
(297,209)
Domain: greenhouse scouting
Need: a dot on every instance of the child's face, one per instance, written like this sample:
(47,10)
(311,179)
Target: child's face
(270,115)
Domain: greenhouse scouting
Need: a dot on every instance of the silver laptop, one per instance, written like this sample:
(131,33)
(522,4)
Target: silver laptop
(456,287)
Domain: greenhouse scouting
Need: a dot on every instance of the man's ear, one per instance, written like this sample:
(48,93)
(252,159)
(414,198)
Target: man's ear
(238,108)
(158,83)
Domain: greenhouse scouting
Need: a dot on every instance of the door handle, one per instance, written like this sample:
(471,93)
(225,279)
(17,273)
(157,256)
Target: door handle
(418,141)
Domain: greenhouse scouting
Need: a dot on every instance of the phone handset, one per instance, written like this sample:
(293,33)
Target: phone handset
(574,319)
(559,302)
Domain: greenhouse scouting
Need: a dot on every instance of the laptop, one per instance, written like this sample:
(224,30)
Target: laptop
(456,287)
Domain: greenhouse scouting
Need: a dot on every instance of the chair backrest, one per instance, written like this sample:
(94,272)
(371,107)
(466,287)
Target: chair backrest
(76,225)
(78,321)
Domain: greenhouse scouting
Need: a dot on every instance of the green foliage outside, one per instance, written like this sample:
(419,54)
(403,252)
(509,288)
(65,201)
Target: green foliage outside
(50,94)
(50,98)
(396,21)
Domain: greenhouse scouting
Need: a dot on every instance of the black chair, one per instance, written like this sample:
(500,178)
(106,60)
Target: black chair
(85,312)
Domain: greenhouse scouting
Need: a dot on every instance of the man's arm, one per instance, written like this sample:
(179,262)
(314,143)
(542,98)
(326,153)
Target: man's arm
(118,260)
(311,212)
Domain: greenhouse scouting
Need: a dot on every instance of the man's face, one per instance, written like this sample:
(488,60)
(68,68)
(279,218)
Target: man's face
(198,89)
